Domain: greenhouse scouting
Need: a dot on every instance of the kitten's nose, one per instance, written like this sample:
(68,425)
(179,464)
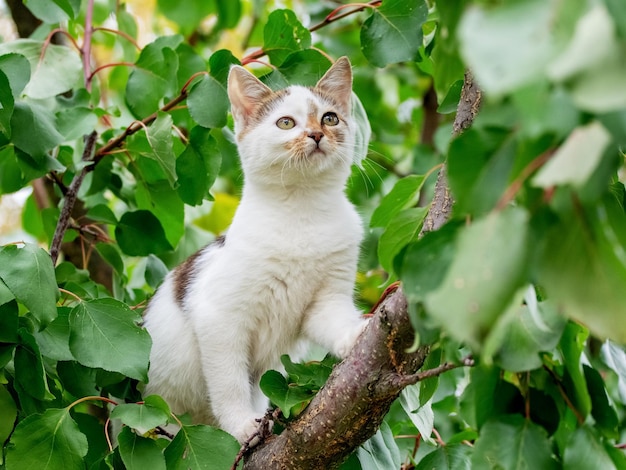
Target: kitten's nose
(316,136)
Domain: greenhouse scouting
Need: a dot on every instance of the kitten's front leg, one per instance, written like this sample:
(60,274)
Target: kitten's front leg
(334,322)
(227,374)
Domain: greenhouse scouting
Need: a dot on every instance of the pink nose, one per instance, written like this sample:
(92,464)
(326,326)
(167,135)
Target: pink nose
(316,136)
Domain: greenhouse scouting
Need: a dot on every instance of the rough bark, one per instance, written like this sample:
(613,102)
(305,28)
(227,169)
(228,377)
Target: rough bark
(357,396)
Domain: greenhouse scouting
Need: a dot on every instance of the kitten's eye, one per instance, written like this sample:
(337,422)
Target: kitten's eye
(330,119)
(285,123)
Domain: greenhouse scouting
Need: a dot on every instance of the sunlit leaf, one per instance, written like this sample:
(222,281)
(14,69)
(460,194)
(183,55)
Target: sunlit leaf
(284,34)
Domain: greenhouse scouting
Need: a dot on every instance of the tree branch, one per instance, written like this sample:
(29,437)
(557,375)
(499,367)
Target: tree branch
(70,198)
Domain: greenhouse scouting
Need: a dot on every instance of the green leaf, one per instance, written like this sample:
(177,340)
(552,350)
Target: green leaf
(402,229)
(156,270)
(403,195)
(510,44)
(163,202)
(29,274)
(284,34)
(584,451)
(304,67)
(424,265)
(148,415)
(8,413)
(448,457)
(16,67)
(420,413)
(394,32)
(283,394)
(77,379)
(477,404)
(58,71)
(9,314)
(313,373)
(54,339)
(104,334)
(140,233)
(576,160)
(33,129)
(160,138)
(603,413)
(187,15)
(201,448)
(7,104)
(54,11)
(588,286)
(73,123)
(47,441)
(102,213)
(228,13)
(572,345)
(479,164)
(220,63)
(198,166)
(470,299)
(139,453)
(524,332)
(208,102)
(511,442)
(380,452)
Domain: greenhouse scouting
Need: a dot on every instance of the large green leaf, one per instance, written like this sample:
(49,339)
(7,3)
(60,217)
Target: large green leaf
(104,334)
(139,453)
(29,274)
(57,72)
(197,167)
(201,448)
(187,15)
(602,411)
(284,34)
(510,443)
(8,413)
(33,129)
(48,441)
(304,67)
(140,233)
(17,69)
(208,102)
(420,413)
(485,274)
(394,32)
(29,368)
(572,345)
(54,340)
(7,104)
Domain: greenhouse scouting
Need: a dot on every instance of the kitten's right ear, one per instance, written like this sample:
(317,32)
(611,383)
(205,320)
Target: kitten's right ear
(245,92)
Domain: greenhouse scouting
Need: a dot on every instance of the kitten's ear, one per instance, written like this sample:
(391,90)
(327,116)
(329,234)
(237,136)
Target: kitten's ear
(337,82)
(245,92)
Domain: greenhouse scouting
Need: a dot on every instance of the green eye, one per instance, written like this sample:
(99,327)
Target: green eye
(285,123)
(330,119)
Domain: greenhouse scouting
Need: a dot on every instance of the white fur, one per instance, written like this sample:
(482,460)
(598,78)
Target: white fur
(285,274)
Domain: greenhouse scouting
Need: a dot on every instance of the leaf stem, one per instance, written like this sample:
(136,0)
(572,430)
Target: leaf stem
(71,294)
(332,16)
(113,64)
(126,36)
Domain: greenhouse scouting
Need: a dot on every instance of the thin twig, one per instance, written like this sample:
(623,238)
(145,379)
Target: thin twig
(70,198)
(332,16)
(86,49)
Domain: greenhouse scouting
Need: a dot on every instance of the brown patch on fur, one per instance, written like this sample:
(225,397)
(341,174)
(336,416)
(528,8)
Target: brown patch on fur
(184,273)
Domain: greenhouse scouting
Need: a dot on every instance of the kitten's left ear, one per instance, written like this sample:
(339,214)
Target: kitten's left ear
(245,92)
(337,82)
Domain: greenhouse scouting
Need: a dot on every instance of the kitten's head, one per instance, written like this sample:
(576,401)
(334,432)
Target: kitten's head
(295,135)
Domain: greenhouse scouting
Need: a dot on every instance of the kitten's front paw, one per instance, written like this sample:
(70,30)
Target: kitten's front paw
(254,431)
(347,343)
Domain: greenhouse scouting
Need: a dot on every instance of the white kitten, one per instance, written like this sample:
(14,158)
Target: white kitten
(284,271)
